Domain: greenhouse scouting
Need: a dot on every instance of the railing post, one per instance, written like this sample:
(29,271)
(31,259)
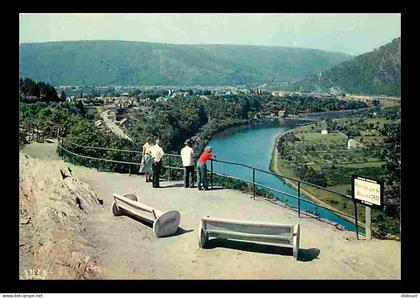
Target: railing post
(169,169)
(60,152)
(211,173)
(253,183)
(299,198)
(355,218)
(129,165)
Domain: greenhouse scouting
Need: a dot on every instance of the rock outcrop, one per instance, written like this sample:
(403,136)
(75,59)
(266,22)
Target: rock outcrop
(54,206)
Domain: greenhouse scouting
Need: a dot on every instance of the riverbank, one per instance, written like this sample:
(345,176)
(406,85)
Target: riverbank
(338,113)
(202,142)
(276,168)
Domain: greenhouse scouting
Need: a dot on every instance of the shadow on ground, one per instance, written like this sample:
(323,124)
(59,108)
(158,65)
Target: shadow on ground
(179,232)
(142,221)
(172,185)
(217,188)
(305,255)
(214,188)
(248,246)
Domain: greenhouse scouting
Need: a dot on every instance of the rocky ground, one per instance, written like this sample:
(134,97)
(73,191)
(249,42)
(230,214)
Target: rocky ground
(110,247)
(53,207)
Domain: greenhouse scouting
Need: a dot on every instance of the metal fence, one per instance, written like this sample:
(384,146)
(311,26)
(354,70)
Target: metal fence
(171,167)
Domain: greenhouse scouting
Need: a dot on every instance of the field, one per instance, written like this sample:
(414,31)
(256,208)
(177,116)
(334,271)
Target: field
(326,159)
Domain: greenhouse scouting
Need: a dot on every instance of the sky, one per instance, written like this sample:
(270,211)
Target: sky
(348,33)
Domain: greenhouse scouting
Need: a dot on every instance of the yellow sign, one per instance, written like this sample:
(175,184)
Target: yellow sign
(368,191)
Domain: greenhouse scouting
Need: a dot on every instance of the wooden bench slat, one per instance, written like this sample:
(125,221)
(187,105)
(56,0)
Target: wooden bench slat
(251,229)
(242,222)
(133,203)
(136,212)
(251,237)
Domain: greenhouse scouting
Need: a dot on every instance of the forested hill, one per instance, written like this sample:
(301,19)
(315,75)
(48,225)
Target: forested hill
(141,63)
(377,72)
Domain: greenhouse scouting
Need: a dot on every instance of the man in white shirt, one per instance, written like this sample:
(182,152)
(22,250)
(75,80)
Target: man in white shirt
(187,155)
(157,153)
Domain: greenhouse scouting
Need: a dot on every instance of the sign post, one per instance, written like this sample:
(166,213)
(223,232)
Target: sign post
(368,192)
(355,218)
(368,223)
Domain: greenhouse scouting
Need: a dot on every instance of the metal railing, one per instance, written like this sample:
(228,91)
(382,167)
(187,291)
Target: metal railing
(169,166)
(297,197)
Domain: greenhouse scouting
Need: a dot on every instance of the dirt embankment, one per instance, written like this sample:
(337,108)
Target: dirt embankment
(53,206)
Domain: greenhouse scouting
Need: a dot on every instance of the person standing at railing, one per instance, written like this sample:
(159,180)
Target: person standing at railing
(187,155)
(157,153)
(202,167)
(146,160)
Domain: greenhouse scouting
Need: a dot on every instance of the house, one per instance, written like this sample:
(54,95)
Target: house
(71,99)
(351,144)
(112,116)
(282,113)
(125,123)
(324,132)
(98,123)
(160,99)
(277,93)
(109,100)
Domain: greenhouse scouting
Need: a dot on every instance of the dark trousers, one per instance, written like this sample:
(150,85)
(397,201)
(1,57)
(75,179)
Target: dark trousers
(156,168)
(202,174)
(189,171)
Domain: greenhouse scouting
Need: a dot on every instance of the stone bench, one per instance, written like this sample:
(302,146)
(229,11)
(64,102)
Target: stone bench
(279,234)
(164,223)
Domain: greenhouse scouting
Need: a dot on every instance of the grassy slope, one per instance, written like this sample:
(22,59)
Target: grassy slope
(307,136)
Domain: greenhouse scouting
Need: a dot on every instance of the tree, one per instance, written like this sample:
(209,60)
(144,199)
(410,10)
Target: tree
(63,96)
(29,87)
(392,177)
(81,107)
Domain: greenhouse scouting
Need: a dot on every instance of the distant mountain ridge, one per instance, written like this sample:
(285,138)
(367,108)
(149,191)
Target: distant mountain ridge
(376,72)
(143,63)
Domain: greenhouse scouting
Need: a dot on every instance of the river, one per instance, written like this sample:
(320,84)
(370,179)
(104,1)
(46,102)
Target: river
(253,146)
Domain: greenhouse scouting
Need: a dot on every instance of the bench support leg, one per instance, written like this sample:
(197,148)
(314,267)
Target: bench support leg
(296,240)
(202,236)
(115,210)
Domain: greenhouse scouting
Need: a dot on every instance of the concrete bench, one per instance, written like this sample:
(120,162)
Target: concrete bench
(164,223)
(279,234)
